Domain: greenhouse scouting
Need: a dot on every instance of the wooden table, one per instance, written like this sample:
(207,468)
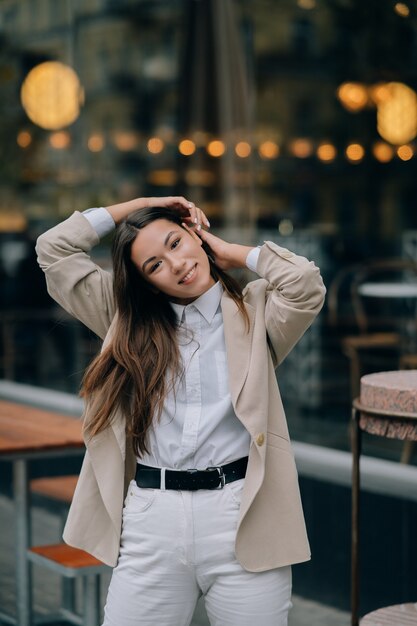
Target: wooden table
(388,290)
(25,434)
(387,407)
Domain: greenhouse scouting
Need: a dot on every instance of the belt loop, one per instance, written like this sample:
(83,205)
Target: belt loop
(163,470)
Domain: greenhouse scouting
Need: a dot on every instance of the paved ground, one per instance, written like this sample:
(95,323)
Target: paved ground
(47,587)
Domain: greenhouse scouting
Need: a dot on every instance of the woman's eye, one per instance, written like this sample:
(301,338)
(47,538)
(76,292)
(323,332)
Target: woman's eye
(154,267)
(175,243)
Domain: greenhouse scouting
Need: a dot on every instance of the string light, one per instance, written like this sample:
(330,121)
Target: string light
(125,141)
(353,96)
(269,150)
(243,149)
(216,148)
(60,140)
(382,151)
(187,147)
(155,145)
(95,143)
(301,148)
(24,139)
(405,153)
(326,152)
(355,152)
(402,9)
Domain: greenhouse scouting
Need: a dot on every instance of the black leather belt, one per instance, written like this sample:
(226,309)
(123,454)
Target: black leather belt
(191,479)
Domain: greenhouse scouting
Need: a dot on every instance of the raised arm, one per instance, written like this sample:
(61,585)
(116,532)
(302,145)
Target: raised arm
(294,296)
(294,290)
(79,285)
(73,280)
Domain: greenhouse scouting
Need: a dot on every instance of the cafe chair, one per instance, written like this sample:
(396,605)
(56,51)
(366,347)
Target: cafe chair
(370,337)
(72,563)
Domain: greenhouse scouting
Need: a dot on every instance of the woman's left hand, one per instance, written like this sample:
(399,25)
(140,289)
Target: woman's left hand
(225,255)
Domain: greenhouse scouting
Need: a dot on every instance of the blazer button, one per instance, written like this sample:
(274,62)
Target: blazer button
(260,439)
(286,254)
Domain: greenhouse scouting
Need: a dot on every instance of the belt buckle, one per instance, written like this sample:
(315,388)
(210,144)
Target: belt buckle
(221,475)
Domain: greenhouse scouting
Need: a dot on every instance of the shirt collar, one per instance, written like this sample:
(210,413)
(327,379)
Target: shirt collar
(207,304)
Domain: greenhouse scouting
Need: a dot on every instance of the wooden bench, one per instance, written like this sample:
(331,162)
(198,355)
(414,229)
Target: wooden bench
(59,488)
(73,563)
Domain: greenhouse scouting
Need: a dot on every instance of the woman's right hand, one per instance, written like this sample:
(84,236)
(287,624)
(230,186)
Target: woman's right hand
(190,213)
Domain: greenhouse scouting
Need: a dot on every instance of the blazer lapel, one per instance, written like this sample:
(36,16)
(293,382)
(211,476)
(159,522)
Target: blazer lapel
(238,343)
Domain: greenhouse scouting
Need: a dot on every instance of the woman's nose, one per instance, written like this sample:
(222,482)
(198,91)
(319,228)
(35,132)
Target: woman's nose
(177,265)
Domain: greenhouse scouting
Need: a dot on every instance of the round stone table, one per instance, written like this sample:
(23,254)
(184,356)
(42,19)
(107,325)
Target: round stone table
(387,407)
(398,615)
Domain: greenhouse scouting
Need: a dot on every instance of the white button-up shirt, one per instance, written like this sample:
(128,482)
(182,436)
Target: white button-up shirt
(198,426)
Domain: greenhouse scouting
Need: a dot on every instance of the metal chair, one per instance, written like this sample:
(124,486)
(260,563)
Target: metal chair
(373,339)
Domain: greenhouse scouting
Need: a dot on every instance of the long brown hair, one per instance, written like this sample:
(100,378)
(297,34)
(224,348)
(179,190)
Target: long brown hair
(131,372)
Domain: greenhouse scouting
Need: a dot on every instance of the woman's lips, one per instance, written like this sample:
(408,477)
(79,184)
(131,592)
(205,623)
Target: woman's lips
(188,278)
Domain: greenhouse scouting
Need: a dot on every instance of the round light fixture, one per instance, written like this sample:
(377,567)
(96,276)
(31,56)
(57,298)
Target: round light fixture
(52,95)
(397,114)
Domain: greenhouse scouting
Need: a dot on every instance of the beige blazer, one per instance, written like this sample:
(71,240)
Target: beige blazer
(281,305)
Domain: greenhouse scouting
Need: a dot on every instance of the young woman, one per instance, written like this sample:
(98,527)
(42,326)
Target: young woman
(188,485)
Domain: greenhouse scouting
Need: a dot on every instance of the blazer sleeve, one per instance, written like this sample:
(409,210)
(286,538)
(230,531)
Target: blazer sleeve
(294,296)
(73,280)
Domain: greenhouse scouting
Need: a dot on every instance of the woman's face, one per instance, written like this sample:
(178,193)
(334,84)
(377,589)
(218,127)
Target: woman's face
(172,260)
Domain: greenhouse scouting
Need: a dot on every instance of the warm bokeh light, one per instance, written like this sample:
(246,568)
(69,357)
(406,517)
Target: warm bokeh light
(155,145)
(12,221)
(269,150)
(200,178)
(24,139)
(95,142)
(51,95)
(125,141)
(353,96)
(379,93)
(355,152)
(301,148)
(402,9)
(243,149)
(326,152)
(306,4)
(216,148)
(200,138)
(163,178)
(186,147)
(405,153)
(60,140)
(382,151)
(286,227)
(397,114)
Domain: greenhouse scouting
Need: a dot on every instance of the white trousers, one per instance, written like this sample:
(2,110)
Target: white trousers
(179,545)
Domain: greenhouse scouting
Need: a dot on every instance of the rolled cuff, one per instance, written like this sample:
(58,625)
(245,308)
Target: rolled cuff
(101,220)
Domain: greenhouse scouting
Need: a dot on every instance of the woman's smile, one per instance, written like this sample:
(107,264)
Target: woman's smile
(188,278)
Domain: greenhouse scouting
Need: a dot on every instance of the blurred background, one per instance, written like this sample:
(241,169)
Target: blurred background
(289,120)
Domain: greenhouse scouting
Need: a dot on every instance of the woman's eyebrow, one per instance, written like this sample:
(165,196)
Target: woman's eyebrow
(152,258)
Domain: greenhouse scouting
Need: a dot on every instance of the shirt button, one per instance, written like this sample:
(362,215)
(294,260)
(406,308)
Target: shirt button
(260,439)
